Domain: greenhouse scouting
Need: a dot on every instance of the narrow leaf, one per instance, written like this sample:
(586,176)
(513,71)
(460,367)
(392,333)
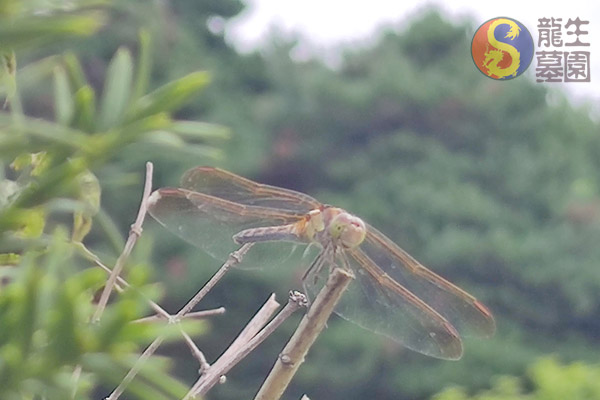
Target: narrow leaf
(144,66)
(32,74)
(170,96)
(88,192)
(85,106)
(36,30)
(75,72)
(64,105)
(117,89)
(201,130)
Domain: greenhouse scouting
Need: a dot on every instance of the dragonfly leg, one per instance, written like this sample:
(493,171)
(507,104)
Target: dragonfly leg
(315,266)
(345,262)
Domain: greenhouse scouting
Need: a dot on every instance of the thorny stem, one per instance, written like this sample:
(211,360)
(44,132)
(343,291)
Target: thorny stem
(134,234)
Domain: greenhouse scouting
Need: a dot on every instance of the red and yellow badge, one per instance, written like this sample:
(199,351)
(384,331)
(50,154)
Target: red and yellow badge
(502,48)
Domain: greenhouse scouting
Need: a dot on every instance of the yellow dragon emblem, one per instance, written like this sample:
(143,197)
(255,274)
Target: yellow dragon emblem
(494,57)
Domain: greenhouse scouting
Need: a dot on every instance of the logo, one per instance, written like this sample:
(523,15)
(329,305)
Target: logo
(502,48)
(564,54)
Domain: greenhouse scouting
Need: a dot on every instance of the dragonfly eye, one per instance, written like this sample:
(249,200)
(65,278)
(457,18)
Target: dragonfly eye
(348,229)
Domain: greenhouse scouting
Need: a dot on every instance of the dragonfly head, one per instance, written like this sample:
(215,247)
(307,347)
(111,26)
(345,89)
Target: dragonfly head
(349,230)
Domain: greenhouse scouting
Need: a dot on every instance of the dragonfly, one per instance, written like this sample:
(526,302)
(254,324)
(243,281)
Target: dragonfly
(392,294)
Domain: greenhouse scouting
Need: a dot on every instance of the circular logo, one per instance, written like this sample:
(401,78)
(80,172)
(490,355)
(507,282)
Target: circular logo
(502,48)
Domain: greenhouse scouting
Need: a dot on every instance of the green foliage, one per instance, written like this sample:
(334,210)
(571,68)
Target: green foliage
(83,137)
(546,380)
(44,313)
(28,23)
(48,347)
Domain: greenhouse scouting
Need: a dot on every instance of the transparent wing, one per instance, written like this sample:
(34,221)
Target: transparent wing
(463,311)
(209,223)
(225,185)
(377,303)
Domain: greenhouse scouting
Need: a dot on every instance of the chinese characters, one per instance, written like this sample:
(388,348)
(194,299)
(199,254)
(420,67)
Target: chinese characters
(564,58)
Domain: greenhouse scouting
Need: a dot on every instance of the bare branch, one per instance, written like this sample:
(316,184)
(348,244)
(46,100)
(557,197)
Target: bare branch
(134,234)
(136,368)
(193,315)
(234,258)
(196,352)
(257,322)
(231,358)
(122,283)
(311,325)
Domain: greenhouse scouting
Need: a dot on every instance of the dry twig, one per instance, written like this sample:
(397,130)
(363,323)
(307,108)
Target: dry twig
(238,351)
(311,325)
(233,259)
(134,234)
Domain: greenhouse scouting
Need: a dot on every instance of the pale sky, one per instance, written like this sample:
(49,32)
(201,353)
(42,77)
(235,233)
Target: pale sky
(328,22)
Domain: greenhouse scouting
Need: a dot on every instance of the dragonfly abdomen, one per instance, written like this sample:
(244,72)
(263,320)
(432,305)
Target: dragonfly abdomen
(268,234)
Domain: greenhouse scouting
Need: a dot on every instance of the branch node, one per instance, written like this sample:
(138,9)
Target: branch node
(136,230)
(286,360)
(299,298)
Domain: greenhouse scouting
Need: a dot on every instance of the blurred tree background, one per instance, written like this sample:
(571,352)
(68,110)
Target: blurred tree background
(493,184)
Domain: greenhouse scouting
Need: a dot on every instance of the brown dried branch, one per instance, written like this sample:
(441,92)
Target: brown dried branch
(134,234)
(136,368)
(122,283)
(260,319)
(196,352)
(193,315)
(311,325)
(233,259)
(246,343)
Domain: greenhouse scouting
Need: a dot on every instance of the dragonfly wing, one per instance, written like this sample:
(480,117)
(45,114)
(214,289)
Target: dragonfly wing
(463,311)
(210,223)
(225,185)
(380,305)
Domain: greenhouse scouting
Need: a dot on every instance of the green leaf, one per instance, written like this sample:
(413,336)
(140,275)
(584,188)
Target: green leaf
(85,108)
(74,71)
(36,30)
(201,130)
(8,63)
(32,222)
(117,90)
(32,74)
(154,122)
(89,192)
(50,132)
(9,259)
(64,105)
(170,96)
(144,65)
